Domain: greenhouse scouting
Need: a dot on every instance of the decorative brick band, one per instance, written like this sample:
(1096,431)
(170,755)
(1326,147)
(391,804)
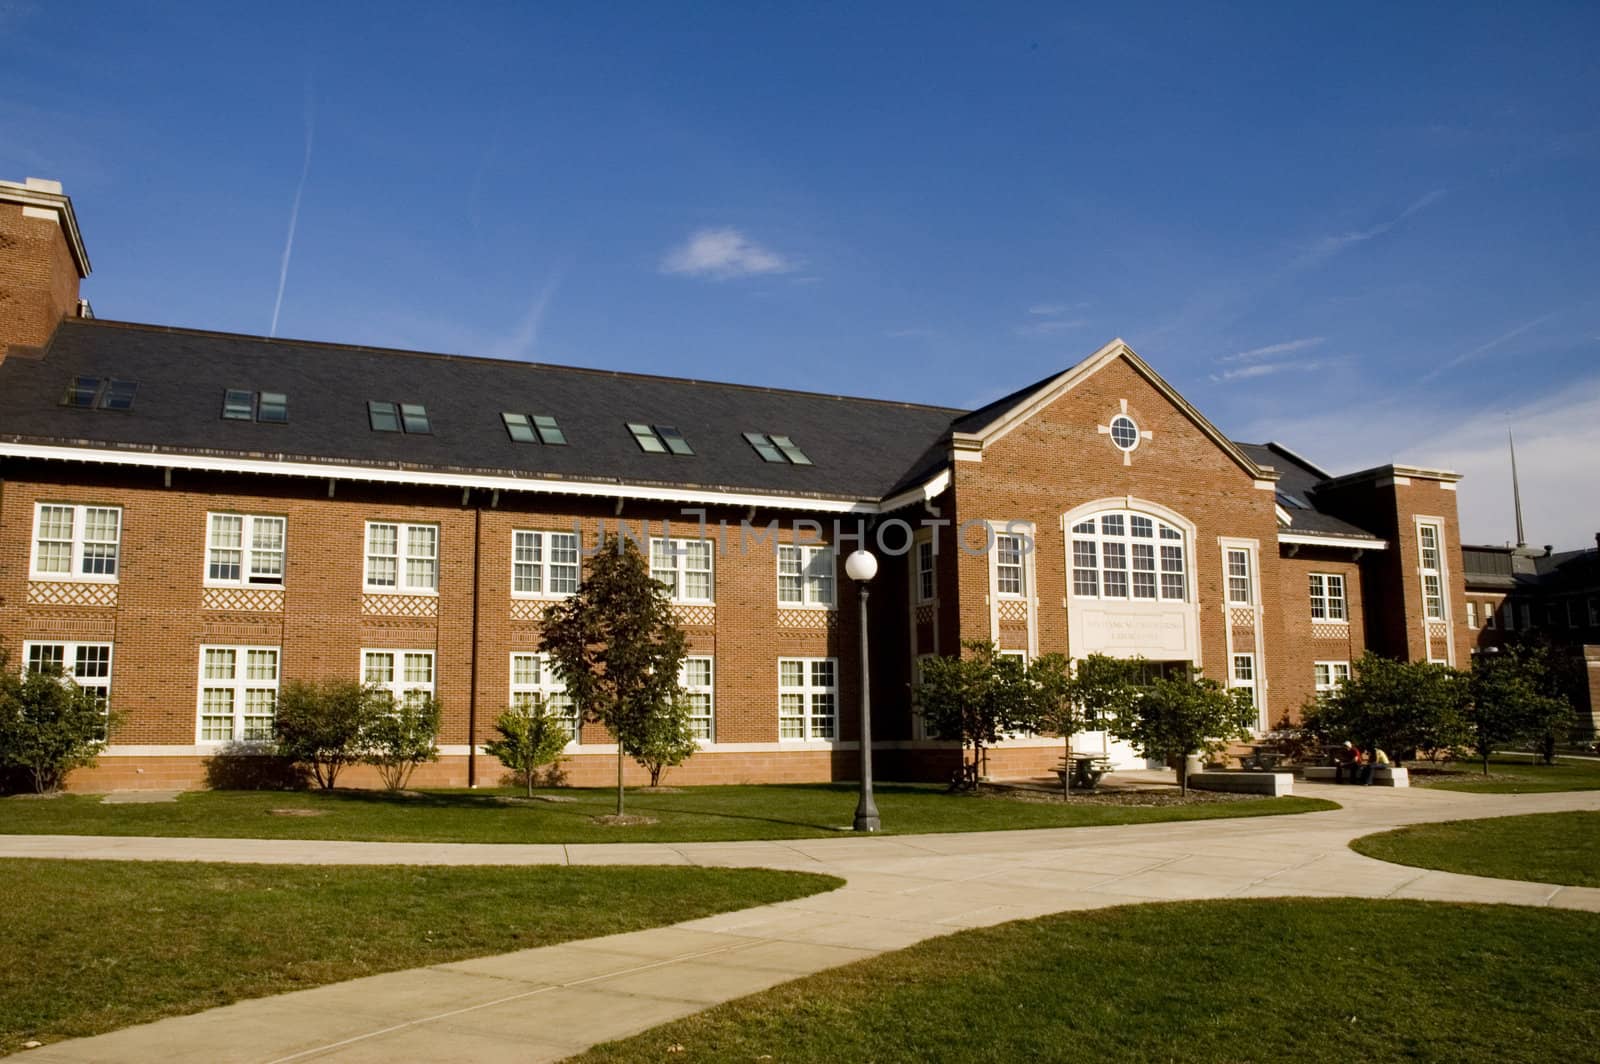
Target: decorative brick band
(1013,610)
(1330,631)
(400,605)
(528,609)
(242,599)
(1242,617)
(71,593)
(697,616)
(925,613)
(821,620)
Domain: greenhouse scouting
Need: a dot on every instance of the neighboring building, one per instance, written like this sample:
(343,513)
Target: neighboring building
(1516,593)
(188,519)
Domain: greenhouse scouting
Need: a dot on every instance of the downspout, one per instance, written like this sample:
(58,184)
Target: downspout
(472,693)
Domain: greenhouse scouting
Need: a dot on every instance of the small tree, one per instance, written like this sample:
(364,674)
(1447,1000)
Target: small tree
(400,737)
(976,698)
(1173,717)
(1074,697)
(48,725)
(530,737)
(665,740)
(324,725)
(617,646)
(1512,701)
(1398,705)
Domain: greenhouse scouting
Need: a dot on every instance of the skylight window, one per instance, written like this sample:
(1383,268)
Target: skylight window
(534,428)
(659,439)
(777,448)
(1291,500)
(273,408)
(118,395)
(410,418)
(81,392)
(238,405)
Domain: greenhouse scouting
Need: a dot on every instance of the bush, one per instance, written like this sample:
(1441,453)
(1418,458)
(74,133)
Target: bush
(401,737)
(324,725)
(530,737)
(1173,717)
(48,726)
(1398,706)
(664,740)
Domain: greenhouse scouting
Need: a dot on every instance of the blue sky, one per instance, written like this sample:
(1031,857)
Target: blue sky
(1369,233)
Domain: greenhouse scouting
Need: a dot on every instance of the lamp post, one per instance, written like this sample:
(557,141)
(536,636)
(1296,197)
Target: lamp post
(861,567)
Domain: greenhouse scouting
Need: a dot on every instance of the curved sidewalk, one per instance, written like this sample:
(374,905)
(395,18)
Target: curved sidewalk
(545,1004)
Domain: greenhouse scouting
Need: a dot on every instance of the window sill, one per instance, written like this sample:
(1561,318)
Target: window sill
(534,596)
(242,585)
(430,593)
(73,578)
(832,608)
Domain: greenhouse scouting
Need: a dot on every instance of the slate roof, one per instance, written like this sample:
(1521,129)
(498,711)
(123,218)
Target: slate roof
(1297,483)
(861,447)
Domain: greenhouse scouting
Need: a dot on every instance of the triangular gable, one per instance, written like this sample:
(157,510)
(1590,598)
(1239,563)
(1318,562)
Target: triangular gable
(1033,400)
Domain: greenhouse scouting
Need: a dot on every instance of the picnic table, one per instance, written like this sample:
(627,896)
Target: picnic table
(1084,770)
(1262,758)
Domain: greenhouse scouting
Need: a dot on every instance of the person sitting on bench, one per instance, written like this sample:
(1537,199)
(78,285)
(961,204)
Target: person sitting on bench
(1369,765)
(1347,763)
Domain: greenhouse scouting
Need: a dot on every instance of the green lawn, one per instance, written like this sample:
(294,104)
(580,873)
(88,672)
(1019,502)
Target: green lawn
(1511,774)
(1232,981)
(698,813)
(1542,847)
(95,945)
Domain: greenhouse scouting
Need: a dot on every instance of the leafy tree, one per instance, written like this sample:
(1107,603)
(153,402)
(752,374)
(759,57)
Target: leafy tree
(324,725)
(1514,699)
(530,737)
(1172,717)
(617,646)
(401,737)
(48,725)
(665,741)
(976,698)
(1400,706)
(1074,697)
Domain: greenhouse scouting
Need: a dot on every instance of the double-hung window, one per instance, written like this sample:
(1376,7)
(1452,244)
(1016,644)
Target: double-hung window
(696,677)
(923,558)
(1243,677)
(402,558)
(1472,615)
(405,674)
(1432,572)
(74,542)
(244,549)
(543,564)
(684,565)
(1239,591)
(534,684)
(87,664)
(1327,597)
(1330,676)
(238,693)
(808,698)
(1009,554)
(805,576)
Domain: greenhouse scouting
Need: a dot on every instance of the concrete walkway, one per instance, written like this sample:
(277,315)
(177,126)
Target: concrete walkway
(545,1004)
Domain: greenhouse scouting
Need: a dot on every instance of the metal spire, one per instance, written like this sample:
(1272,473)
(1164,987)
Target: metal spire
(1516,492)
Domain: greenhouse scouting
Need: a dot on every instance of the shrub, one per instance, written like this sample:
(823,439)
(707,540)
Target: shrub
(1517,698)
(664,740)
(48,725)
(530,738)
(1400,706)
(977,698)
(242,767)
(1175,716)
(323,725)
(401,737)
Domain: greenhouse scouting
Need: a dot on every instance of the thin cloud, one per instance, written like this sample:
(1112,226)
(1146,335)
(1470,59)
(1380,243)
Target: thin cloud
(1255,354)
(723,254)
(904,334)
(1483,349)
(1267,369)
(1332,245)
(524,339)
(1055,310)
(294,211)
(1049,326)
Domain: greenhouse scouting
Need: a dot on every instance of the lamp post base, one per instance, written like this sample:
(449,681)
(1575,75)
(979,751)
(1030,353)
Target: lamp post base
(868,822)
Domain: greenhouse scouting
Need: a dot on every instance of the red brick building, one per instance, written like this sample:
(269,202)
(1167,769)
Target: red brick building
(189,519)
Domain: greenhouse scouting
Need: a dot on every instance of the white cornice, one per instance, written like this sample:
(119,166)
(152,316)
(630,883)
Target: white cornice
(933,488)
(381,475)
(1311,539)
(44,199)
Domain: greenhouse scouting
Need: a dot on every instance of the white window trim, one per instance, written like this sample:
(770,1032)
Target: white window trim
(808,552)
(1229,577)
(807,690)
(549,684)
(1253,685)
(399,685)
(709,689)
(245,550)
(544,563)
(1334,683)
(402,537)
(1343,598)
(240,683)
(1438,572)
(1185,542)
(69,660)
(75,564)
(924,538)
(679,556)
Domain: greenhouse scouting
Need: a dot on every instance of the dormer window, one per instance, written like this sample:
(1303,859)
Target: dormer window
(81,392)
(118,395)
(659,439)
(776,449)
(100,393)
(534,428)
(241,404)
(411,418)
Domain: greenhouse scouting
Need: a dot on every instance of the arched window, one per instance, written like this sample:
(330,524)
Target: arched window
(1120,554)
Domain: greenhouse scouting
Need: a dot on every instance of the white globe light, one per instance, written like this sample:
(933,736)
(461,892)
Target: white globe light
(861,566)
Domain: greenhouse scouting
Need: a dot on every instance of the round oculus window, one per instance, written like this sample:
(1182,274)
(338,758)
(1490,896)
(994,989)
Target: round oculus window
(1124,433)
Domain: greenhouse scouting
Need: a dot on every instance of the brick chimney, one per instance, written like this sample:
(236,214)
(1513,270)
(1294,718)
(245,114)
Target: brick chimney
(42,260)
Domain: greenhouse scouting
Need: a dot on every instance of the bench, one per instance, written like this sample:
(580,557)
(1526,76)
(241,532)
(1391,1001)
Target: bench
(1275,784)
(1382,775)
